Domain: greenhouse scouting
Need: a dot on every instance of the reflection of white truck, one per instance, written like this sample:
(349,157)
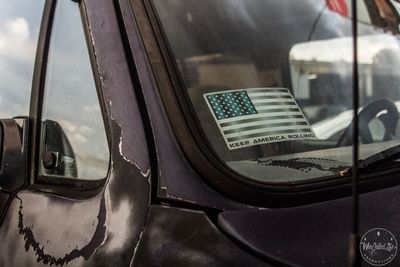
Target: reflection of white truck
(332,128)
(315,67)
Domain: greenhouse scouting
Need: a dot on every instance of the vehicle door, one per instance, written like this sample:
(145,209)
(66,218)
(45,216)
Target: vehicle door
(74,168)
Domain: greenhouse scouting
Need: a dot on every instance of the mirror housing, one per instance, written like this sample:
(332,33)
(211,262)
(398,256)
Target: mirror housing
(13,145)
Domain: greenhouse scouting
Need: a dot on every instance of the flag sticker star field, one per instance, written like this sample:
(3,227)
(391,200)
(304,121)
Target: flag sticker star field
(232,104)
(248,117)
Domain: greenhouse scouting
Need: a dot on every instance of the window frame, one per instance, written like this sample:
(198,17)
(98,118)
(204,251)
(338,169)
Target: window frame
(76,188)
(196,147)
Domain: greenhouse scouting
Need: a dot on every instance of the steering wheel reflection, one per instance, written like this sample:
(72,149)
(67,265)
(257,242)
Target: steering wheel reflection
(366,115)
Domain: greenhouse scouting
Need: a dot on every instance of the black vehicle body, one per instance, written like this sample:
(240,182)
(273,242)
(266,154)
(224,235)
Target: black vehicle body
(155,207)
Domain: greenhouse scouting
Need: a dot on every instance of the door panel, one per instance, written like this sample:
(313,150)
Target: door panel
(56,220)
(51,230)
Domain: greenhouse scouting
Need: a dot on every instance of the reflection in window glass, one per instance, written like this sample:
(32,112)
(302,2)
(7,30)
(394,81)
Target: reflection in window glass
(19,29)
(253,69)
(73,136)
(379,67)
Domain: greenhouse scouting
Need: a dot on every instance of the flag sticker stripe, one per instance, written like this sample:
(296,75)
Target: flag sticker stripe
(248,117)
(272,97)
(269,110)
(265,104)
(266,126)
(268,90)
(262,119)
(262,95)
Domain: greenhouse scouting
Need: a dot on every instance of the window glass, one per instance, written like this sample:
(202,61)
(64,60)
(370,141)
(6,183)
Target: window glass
(379,68)
(271,81)
(74,142)
(19,30)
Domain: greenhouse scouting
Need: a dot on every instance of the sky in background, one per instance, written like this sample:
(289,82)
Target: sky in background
(19,28)
(70,92)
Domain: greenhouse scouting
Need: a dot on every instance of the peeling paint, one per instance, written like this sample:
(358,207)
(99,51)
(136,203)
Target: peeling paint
(119,224)
(174,197)
(144,173)
(92,42)
(111,112)
(147,173)
(108,205)
(136,247)
(120,140)
(91,36)
(85,252)
(181,199)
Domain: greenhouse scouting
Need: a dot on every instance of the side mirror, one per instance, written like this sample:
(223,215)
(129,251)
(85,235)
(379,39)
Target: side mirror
(58,157)
(13,144)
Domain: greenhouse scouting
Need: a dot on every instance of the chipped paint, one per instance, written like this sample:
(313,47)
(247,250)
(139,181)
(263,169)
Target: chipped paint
(144,173)
(181,199)
(91,37)
(108,205)
(136,247)
(105,224)
(175,197)
(85,252)
(110,104)
(147,173)
(119,225)
(92,42)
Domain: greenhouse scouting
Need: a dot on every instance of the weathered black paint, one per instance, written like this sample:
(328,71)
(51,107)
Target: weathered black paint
(178,181)
(118,225)
(86,252)
(180,237)
(105,228)
(313,235)
(4,197)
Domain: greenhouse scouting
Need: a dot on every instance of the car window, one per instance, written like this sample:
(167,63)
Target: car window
(271,81)
(379,65)
(74,142)
(19,29)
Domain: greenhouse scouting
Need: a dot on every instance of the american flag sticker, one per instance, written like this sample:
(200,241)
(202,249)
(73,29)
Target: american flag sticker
(256,116)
